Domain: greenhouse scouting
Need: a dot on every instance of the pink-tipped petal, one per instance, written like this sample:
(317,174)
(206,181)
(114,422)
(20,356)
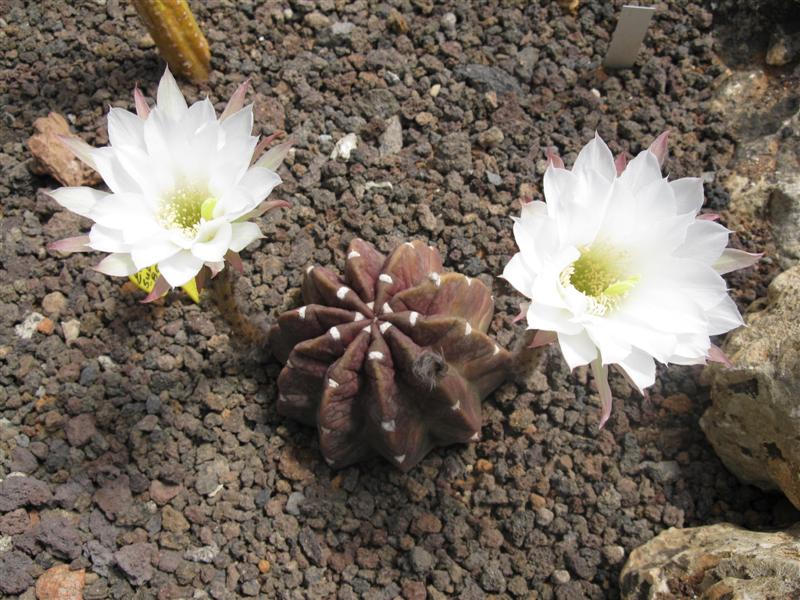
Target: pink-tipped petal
(733,259)
(266,143)
(543,338)
(73,244)
(600,373)
(79,148)
(160,288)
(525,200)
(715,354)
(273,158)
(264,207)
(236,103)
(708,217)
(235,261)
(660,147)
(142,109)
(553,158)
(621,162)
(215,267)
(523,310)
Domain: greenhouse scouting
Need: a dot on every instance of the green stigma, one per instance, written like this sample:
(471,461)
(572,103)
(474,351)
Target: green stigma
(600,274)
(185,209)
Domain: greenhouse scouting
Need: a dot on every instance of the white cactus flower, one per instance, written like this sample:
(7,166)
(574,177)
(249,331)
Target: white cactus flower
(620,267)
(183,190)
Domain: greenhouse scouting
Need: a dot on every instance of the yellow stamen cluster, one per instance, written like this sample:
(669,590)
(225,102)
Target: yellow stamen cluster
(185,209)
(600,275)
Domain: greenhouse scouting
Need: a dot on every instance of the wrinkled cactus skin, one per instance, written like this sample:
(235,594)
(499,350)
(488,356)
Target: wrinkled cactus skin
(394,360)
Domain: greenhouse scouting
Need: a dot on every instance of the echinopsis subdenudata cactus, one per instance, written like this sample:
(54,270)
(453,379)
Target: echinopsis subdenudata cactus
(393,360)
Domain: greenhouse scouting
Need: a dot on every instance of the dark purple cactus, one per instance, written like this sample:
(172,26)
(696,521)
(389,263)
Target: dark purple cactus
(394,360)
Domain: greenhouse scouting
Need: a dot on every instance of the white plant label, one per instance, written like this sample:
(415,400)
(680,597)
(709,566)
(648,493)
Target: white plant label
(628,36)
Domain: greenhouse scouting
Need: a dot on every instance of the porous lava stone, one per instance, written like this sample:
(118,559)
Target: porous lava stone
(393,360)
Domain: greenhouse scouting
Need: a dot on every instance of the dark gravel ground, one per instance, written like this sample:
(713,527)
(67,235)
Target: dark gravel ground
(155,457)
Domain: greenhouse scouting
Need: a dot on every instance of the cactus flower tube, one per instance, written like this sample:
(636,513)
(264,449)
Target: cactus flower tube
(621,269)
(392,360)
(183,191)
(177,35)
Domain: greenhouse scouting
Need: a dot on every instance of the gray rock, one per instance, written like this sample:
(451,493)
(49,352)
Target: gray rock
(15,577)
(79,430)
(22,491)
(60,536)
(454,152)
(294,502)
(391,139)
(310,545)
(135,562)
(203,554)
(753,422)
(487,78)
(421,560)
(114,497)
(101,557)
(714,561)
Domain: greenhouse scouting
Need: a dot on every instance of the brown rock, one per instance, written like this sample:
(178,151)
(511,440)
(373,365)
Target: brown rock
(714,562)
(172,520)
(51,157)
(291,468)
(59,583)
(161,493)
(80,429)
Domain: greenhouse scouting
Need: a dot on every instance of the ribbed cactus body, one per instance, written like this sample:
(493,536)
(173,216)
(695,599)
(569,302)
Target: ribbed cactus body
(393,359)
(177,35)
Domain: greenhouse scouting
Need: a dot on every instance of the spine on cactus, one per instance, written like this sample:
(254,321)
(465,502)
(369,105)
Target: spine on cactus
(177,36)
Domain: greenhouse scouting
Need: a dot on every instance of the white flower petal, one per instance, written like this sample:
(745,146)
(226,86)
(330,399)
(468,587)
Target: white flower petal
(689,195)
(724,317)
(152,252)
(641,368)
(119,265)
(180,268)
(80,200)
(125,128)
(273,158)
(243,234)
(169,98)
(733,259)
(643,170)
(517,274)
(550,318)
(705,242)
(214,249)
(106,239)
(595,156)
(577,349)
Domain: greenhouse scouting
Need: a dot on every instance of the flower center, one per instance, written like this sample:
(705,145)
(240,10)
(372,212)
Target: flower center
(600,274)
(185,209)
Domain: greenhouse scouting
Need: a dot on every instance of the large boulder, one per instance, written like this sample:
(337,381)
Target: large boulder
(754,420)
(714,562)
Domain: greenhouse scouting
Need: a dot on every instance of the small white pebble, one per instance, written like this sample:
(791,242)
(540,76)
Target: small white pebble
(353,254)
(386,278)
(342,292)
(384,326)
(388,426)
(412,318)
(375,355)
(335,333)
